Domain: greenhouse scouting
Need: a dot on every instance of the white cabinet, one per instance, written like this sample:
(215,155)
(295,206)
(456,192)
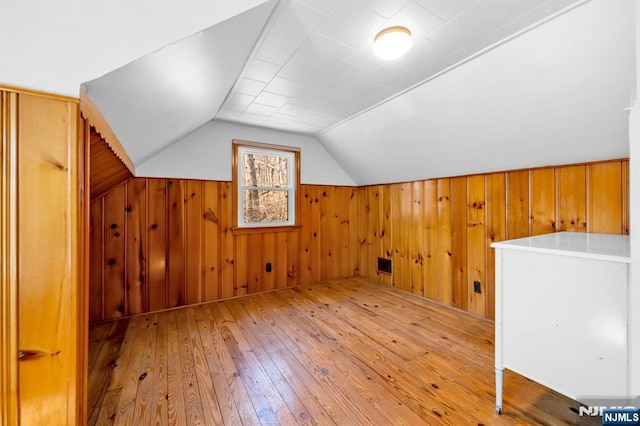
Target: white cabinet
(562,313)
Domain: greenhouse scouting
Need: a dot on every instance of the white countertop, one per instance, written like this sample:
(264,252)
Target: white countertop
(577,244)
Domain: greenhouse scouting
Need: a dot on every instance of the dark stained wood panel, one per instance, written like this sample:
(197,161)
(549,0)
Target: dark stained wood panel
(96,278)
(136,276)
(176,273)
(156,254)
(106,171)
(115,304)
(211,244)
(193,257)
(227,253)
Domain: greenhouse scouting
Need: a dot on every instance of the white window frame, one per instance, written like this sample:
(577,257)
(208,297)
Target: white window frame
(290,188)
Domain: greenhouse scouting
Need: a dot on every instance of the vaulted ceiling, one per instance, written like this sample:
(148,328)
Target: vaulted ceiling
(314,65)
(487,85)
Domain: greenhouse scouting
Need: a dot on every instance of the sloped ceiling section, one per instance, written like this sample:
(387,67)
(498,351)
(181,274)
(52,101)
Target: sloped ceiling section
(157,99)
(206,154)
(54,46)
(554,95)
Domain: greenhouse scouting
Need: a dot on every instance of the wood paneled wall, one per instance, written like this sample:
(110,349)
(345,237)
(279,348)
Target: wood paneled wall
(438,232)
(43,321)
(161,243)
(107,170)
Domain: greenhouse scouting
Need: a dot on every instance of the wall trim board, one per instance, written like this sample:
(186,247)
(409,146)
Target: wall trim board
(34,92)
(91,112)
(8,261)
(106,171)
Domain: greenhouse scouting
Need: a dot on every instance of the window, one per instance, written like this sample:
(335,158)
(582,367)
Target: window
(265,183)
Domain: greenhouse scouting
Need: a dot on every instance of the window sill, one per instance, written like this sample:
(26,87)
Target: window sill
(264,229)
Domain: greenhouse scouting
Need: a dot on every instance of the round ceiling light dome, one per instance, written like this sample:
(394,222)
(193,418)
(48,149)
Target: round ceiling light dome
(392,42)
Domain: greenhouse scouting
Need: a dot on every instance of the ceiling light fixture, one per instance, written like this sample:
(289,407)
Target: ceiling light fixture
(392,42)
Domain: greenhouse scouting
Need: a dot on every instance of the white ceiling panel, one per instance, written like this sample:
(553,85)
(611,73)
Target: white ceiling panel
(511,10)
(385,8)
(387,74)
(301,71)
(350,23)
(271,99)
(471,25)
(308,100)
(239,100)
(554,95)
(322,58)
(296,22)
(276,50)
(261,71)
(293,110)
(419,20)
(247,86)
(362,56)
(423,51)
(229,115)
(254,119)
(342,75)
(449,9)
(324,6)
(322,51)
(260,109)
(359,90)
(284,86)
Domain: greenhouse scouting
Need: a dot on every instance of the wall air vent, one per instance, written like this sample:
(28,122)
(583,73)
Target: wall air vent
(384,265)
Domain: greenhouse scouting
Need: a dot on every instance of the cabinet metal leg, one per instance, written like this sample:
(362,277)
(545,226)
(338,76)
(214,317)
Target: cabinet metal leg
(499,390)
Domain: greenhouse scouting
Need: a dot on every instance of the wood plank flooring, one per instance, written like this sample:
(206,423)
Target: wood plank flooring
(343,352)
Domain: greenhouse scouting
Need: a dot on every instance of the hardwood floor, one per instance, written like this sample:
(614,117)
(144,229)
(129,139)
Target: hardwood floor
(345,352)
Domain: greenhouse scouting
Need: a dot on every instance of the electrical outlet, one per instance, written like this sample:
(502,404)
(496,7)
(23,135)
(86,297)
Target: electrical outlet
(477,287)
(268,267)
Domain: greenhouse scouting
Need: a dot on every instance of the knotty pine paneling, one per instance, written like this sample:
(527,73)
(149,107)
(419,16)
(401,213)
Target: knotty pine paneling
(161,243)
(107,171)
(438,232)
(175,245)
(43,276)
(113,263)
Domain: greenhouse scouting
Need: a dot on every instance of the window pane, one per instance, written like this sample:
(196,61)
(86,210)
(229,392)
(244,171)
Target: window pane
(265,206)
(264,170)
